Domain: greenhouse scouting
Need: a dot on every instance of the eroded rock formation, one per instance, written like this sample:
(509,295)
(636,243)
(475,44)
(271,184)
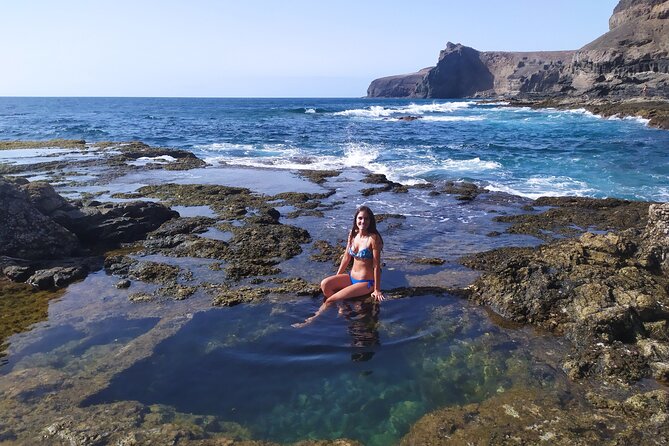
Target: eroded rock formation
(46,241)
(607,293)
(631,60)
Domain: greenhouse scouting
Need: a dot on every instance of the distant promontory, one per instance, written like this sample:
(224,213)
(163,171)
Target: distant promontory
(631,60)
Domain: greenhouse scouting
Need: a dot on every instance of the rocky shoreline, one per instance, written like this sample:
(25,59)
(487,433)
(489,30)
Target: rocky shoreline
(600,280)
(655,111)
(624,72)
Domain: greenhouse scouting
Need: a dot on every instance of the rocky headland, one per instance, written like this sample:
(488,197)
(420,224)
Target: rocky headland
(625,71)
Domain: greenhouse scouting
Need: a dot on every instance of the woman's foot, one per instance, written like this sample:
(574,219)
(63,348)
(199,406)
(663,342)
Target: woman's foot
(305,323)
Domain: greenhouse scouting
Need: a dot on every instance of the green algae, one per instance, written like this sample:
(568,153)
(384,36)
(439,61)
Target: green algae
(429,261)
(318,176)
(228,202)
(228,297)
(51,144)
(20,307)
(325,252)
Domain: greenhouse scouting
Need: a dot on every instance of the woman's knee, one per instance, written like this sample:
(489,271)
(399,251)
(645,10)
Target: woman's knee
(325,284)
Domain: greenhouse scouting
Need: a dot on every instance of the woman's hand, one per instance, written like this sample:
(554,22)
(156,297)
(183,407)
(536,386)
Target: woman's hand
(378,295)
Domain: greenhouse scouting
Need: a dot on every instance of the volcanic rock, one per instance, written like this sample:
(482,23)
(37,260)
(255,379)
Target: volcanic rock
(630,60)
(607,293)
(26,232)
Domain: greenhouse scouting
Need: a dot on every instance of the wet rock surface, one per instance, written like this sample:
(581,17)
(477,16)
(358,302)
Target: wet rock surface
(607,293)
(386,185)
(110,224)
(28,233)
(174,159)
(570,216)
(527,416)
(657,112)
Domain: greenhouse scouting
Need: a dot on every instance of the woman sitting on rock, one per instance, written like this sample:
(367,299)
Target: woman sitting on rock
(364,248)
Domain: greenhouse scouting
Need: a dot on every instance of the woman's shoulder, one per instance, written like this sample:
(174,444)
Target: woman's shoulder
(376,240)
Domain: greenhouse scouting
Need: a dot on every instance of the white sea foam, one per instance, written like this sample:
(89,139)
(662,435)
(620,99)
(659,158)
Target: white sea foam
(309,110)
(359,154)
(549,186)
(144,160)
(377,111)
(285,157)
(452,118)
(474,164)
(638,119)
(224,147)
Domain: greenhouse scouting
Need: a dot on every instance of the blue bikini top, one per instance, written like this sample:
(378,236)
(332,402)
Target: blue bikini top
(362,254)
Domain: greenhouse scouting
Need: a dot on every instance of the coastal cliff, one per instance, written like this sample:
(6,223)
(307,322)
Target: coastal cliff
(630,60)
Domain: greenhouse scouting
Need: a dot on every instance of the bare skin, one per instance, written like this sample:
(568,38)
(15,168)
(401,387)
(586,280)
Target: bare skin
(339,287)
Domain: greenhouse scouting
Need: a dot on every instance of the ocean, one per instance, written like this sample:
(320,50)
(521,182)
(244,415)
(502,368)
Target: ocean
(518,150)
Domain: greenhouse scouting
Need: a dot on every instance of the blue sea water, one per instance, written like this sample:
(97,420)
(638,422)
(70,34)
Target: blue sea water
(517,150)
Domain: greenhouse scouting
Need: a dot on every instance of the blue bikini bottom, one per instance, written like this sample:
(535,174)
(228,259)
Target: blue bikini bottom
(370,283)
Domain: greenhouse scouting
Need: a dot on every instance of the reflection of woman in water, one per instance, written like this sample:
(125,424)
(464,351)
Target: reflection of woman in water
(364,248)
(363,318)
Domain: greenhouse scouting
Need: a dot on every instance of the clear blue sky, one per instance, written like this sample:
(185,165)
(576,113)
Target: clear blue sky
(283,48)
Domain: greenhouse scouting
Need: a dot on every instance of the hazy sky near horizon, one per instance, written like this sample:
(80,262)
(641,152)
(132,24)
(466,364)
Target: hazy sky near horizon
(254,48)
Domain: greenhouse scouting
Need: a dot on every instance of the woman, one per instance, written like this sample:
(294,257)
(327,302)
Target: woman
(364,247)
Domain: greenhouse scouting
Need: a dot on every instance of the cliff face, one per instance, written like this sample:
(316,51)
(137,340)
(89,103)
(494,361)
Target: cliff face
(400,86)
(630,60)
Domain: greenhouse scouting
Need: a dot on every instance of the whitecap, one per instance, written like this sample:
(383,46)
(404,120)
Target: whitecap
(144,160)
(223,147)
(309,110)
(639,119)
(375,111)
(473,164)
(544,186)
(359,154)
(378,111)
(452,118)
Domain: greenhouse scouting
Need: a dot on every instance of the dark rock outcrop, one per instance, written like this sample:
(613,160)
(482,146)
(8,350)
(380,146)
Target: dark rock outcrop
(631,60)
(26,232)
(607,293)
(459,73)
(399,86)
(109,224)
(44,239)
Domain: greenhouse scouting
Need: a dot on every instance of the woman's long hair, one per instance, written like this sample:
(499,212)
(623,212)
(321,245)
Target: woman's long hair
(372,225)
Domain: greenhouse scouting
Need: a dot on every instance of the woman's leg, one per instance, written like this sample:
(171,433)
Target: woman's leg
(331,283)
(351,291)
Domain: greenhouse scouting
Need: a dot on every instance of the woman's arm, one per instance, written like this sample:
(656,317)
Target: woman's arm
(376,250)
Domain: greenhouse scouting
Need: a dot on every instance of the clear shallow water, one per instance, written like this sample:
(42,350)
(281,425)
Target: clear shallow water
(367,374)
(518,150)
